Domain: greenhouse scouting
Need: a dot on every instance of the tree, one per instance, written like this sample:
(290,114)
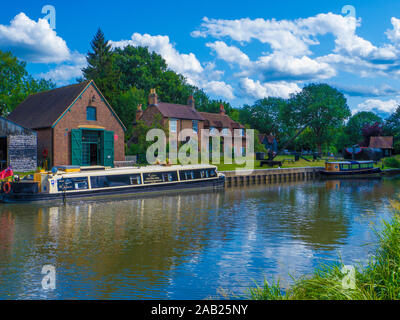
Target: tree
(100,66)
(265,115)
(321,108)
(368,131)
(356,123)
(16,84)
(125,105)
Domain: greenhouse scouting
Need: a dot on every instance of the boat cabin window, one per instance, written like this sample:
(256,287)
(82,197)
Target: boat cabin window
(197,174)
(67,184)
(119,180)
(158,177)
(366,165)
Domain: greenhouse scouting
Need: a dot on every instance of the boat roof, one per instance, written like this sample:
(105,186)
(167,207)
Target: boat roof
(350,162)
(133,170)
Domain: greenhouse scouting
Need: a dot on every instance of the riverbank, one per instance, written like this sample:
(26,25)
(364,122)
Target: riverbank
(378,280)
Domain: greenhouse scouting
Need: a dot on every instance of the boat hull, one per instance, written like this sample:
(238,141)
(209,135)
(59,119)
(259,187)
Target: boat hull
(217,183)
(370,173)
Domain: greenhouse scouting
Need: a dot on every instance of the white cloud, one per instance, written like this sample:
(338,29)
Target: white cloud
(259,90)
(376,105)
(33,41)
(290,42)
(281,66)
(185,64)
(219,88)
(64,73)
(394,34)
(230,54)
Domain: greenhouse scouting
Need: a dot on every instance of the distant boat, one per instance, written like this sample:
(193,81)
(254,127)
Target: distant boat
(351,169)
(69,182)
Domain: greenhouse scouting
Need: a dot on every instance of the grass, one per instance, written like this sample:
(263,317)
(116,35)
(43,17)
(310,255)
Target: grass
(378,280)
(298,164)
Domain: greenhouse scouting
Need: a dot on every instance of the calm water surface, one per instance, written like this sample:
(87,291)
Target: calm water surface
(189,246)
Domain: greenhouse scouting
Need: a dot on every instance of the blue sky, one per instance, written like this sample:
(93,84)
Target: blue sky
(235,50)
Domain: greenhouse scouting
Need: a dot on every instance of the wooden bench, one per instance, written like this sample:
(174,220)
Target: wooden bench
(270,163)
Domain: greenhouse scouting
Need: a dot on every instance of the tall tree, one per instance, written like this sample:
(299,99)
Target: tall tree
(322,108)
(16,84)
(100,66)
(356,123)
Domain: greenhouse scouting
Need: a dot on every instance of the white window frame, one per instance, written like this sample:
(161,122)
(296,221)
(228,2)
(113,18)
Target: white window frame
(171,121)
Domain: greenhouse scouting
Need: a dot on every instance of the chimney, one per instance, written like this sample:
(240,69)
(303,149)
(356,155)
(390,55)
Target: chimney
(153,98)
(139,112)
(221,109)
(191,102)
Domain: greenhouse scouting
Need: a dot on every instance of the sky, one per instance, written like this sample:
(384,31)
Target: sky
(238,51)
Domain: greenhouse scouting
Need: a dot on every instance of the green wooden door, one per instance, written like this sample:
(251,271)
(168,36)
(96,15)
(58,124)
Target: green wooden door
(107,148)
(76,147)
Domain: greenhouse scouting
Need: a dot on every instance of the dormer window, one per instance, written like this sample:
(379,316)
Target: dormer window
(91,114)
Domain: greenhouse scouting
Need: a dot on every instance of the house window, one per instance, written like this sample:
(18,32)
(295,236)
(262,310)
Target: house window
(91,114)
(195,126)
(173,123)
(241,132)
(225,131)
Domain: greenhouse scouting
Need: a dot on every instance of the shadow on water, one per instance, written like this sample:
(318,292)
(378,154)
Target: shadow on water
(187,246)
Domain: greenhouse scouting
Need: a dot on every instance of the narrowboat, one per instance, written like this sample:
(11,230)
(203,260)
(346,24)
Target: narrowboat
(69,182)
(351,169)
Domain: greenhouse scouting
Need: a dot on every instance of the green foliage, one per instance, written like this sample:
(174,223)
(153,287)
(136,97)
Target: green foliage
(354,126)
(100,66)
(322,108)
(125,105)
(391,162)
(139,133)
(16,84)
(266,115)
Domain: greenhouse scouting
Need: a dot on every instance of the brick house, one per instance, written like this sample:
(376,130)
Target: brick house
(222,124)
(75,125)
(177,117)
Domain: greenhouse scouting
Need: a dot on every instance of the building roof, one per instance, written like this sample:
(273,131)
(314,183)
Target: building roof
(381,142)
(8,127)
(219,121)
(44,109)
(178,111)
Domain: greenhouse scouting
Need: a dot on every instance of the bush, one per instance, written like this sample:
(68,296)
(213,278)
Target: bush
(391,162)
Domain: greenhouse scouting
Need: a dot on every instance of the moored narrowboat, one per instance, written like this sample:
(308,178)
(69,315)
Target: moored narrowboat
(351,169)
(70,182)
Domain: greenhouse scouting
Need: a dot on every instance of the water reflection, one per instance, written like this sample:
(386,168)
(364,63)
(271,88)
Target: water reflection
(190,245)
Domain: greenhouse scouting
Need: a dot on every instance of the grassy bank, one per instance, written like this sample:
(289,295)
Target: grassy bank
(378,280)
(286,164)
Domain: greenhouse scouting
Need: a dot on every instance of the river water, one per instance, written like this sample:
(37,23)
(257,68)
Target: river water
(192,245)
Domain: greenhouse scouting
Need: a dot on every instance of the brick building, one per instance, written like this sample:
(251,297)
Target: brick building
(177,117)
(223,125)
(74,124)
